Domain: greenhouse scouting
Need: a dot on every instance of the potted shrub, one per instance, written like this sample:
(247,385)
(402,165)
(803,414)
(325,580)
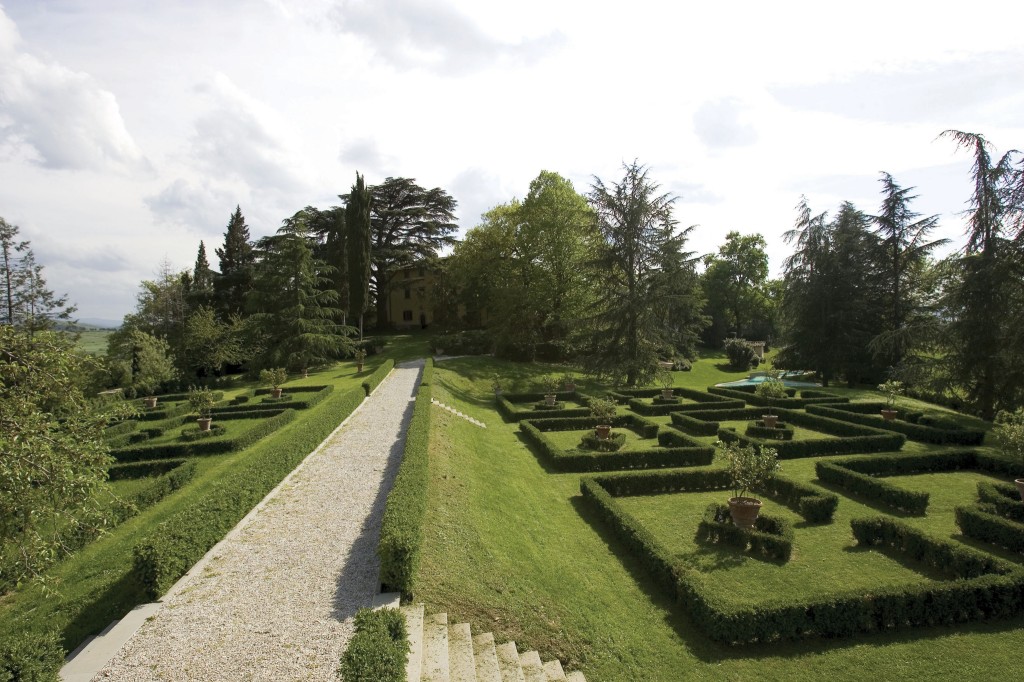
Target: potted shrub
(360,359)
(496,386)
(550,390)
(568,382)
(275,377)
(603,411)
(149,401)
(891,389)
(771,390)
(1009,435)
(201,400)
(663,375)
(748,467)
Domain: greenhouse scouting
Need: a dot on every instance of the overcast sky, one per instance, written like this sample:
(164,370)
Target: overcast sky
(130,130)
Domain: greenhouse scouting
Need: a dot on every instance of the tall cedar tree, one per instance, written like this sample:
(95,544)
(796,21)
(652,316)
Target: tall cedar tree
(358,211)
(292,321)
(408,224)
(25,302)
(634,221)
(903,255)
(200,284)
(236,261)
(982,336)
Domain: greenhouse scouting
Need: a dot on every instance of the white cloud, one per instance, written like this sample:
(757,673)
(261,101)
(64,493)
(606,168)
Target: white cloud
(59,118)
(718,124)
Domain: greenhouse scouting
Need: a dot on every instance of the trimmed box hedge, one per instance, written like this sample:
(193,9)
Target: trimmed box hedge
(288,401)
(748,395)
(205,447)
(702,401)
(509,412)
(875,489)
(401,531)
(850,438)
(983,522)
(986,587)
(371,382)
(132,470)
(378,649)
(180,541)
(868,414)
(771,536)
(781,431)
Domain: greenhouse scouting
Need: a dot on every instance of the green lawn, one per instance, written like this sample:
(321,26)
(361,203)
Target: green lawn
(513,549)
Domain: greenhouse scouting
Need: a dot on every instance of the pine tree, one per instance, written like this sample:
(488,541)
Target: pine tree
(358,210)
(26,303)
(236,260)
(200,284)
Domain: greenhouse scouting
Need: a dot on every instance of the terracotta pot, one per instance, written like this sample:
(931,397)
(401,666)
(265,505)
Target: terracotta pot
(549,399)
(770,420)
(744,511)
(359,367)
(440,351)
(603,431)
(150,402)
(889,415)
(1020,487)
(569,387)
(276,392)
(666,393)
(204,423)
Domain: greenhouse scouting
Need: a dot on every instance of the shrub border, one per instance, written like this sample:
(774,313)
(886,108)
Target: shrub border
(918,432)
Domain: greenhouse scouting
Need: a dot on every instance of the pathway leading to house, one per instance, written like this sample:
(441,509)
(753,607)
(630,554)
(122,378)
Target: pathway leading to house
(276,599)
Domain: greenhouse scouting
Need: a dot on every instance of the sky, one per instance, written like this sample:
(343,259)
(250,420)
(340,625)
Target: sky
(129,131)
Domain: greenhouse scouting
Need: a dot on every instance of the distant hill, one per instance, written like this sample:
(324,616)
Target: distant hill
(98,323)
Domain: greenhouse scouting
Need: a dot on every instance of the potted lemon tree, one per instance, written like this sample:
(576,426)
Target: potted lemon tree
(748,467)
(603,411)
(275,377)
(550,390)
(663,375)
(892,390)
(771,389)
(201,400)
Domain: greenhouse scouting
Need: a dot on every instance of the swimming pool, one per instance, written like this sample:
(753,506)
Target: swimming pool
(760,377)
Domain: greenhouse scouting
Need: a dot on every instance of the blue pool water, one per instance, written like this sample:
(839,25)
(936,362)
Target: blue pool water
(760,377)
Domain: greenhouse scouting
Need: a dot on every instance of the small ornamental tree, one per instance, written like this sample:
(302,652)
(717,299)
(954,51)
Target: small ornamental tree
(663,375)
(274,377)
(201,400)
(771,389)
(748,466)
(551,385)
(892,390)
(602,410)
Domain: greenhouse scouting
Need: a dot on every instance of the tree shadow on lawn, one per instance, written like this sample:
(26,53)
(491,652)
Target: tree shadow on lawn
(533,450)
(866,501)
(712,652)
(355,586)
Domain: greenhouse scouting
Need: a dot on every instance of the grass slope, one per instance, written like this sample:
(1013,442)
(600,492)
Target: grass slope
(512,548)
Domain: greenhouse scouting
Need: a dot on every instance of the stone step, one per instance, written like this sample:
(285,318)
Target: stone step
(435,648)
(575,676)
(554,672)
(414,624)
(533,669)
(486,656)
(508,663)
(386,600)
(461,664)
(89,659)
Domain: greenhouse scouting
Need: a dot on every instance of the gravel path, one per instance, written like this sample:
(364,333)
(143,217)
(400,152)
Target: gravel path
(276,600)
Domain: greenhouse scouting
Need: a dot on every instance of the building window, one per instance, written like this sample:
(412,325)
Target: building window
(407,316)
(408,293)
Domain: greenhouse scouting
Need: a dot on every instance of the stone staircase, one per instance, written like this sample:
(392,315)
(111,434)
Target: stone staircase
(451,409)
(452,653)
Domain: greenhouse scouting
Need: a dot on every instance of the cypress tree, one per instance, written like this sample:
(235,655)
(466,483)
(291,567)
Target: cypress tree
(357,246)
(236,260)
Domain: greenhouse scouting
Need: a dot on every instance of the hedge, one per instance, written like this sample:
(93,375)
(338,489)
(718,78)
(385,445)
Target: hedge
(509,412)
(875,489)
(164,485)
(645,428)
(401,532)
(319,393)
(781,431)
(784,403)
(578,460)
(180,541)
(996,592)
(810,502)
(851,438)
(868,415)
(30,657)
(378,649)
(371,382)
(1004,497)
(702,401)
(771,537)
(120,472)
(120,428)
(205,447)
(983,522)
